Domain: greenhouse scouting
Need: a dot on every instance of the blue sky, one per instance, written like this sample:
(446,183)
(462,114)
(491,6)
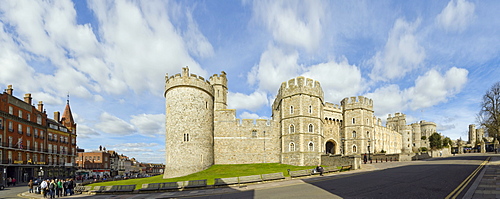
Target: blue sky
(432,60)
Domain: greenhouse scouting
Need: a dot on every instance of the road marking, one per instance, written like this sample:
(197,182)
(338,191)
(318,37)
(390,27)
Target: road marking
(467,180)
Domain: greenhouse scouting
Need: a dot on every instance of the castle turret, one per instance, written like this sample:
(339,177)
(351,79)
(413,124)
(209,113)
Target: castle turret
(358,124)
(189,124)
(219,83)
(300,105)
(417,135)
(472,134)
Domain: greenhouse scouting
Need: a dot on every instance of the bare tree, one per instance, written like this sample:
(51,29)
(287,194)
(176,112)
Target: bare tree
(489,116)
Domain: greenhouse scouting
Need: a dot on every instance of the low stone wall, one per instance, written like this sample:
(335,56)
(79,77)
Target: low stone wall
(339,160)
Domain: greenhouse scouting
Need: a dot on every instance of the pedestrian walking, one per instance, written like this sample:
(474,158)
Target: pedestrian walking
(30,185)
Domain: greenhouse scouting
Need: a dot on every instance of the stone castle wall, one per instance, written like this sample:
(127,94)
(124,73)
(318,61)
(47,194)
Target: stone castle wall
(244,141)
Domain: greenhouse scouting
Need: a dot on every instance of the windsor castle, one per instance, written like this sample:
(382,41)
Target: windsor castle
(201,131)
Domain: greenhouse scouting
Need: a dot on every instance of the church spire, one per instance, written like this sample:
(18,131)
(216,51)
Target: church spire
(67,118)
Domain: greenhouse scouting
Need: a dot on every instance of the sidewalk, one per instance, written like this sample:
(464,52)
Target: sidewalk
(486,185)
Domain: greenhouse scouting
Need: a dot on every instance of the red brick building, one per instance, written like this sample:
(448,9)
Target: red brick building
(31,144)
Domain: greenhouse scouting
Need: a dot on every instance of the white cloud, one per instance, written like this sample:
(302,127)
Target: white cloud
(149,124)
(338,80)
(402,53)
(247,115)
(134,145)
(434,88)
(196,42)
(292,23)
(85,131)
(429,90)
(251,102)
(388,100)
(457,15)
(275,67)
(114,125)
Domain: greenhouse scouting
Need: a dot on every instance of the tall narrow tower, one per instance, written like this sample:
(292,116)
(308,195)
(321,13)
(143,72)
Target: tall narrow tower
(358,124)
(301,103)
(219,83)
(189,124)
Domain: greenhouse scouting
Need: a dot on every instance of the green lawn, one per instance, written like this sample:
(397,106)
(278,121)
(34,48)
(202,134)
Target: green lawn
(215,171)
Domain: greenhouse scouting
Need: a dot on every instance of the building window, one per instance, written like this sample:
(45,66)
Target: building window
(292,129)
(311,146)
(20,128)
(11,110)
(291,109)
(20,114)
(186,137)
(254,133)
(311,128)
(354,134)
(291,147)
(38,119)
(368,134)
(28,131)
(310,109)
(28,117)
(353,120)
(354,149)
(11,127)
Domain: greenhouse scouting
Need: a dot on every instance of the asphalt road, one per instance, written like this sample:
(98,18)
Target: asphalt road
(434,178)
(11,192)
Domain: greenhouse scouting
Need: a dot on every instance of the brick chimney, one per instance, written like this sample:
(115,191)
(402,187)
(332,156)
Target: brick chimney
(57,116)
(27,98)
(40,106)
(9,90)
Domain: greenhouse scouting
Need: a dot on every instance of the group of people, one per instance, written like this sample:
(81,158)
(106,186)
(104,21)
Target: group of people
(55,187)
(11,181)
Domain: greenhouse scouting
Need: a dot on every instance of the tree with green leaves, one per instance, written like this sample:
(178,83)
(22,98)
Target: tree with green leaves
(489,115)
(446,142)
(435,141)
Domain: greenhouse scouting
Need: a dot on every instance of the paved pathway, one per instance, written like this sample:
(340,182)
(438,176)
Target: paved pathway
(486,185)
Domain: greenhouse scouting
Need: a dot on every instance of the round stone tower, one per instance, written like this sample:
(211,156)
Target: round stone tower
(189,124)
(358,124)
(300,104)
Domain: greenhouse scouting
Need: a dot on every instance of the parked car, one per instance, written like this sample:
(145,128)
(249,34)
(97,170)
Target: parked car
(2,187)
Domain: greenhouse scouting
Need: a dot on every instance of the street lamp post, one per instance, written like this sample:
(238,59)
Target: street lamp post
(343,151)
(369,158)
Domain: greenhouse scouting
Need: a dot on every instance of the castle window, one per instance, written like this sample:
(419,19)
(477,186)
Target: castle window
(354,120)
(186,137)
(311,128)
(311,146)
(292,129)
(354,134)
(291,109)
(367,134)
(310,109)
(354,149)
(291,147)
(254,133)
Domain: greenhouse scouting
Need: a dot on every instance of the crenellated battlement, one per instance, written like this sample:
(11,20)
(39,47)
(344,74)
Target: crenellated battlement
(329,105)
(357,102)
(219,79)
(300,85)
(187,80)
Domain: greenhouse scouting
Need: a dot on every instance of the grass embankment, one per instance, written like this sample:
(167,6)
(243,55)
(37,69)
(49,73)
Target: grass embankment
(215,171)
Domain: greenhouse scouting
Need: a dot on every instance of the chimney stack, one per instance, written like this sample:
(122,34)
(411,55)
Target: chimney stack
(9,89)
(40,106)
(27,98)
(57,116)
